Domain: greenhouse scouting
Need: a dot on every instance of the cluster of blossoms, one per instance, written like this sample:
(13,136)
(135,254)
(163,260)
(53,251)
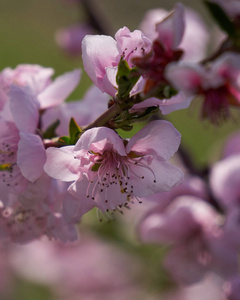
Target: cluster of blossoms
(59,159)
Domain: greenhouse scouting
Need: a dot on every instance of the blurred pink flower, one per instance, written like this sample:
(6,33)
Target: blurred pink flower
(195,33)
(192,228)
(218,84)
(38,81)
(225,181)
(90,269)
(70,39)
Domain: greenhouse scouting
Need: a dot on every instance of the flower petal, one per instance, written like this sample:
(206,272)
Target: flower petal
(59,90)
(61,164)
(24,108)
(100,139)
(161,176)
(99,52)
(31,156)
(156,138)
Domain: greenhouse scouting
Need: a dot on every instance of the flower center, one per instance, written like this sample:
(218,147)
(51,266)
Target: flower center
(111,169)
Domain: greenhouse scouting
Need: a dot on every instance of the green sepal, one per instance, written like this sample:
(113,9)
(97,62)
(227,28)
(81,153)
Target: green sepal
(65,140)
(126,127)
(126,78)
(50,131)
(74,131)
(221,18)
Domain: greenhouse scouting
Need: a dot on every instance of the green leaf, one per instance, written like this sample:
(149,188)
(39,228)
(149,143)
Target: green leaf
(74,131)
(50,131)
(221,18)
(126,79)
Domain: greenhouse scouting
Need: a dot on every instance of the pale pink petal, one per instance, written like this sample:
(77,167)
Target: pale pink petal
(156,138)
(109,81)
(151,18)
(171,29)
(227,66)
(99,52)
(196,37)
(183,265)
(24,108)
(76,206)
(132,44)
(100,138)
(31,156)
(180,101)
(168,227)
(61,164)
(59,90)
(185,77)
(138,87)
(160,177)
(225,180)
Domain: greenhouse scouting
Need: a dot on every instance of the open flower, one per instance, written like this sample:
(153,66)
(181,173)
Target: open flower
(218,84)
(107,171)
(102,54)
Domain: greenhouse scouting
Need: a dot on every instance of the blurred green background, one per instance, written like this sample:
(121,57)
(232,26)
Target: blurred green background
(27,29)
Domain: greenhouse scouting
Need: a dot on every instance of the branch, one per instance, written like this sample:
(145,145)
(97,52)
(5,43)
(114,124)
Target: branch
(104,118)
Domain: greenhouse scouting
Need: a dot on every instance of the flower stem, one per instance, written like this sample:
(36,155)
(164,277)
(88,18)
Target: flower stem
(104,118)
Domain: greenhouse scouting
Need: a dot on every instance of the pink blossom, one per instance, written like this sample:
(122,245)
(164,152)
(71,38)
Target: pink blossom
(89,269)
(108,171)
(194,32)
(225,180)
(26,148)
(11,178)
(34,213)
(101,55)
(191,226)
(35,77)
(218,84)
(38,80)
(191,186)
(70,39)
(178,221)
(25,188)
(170,30)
